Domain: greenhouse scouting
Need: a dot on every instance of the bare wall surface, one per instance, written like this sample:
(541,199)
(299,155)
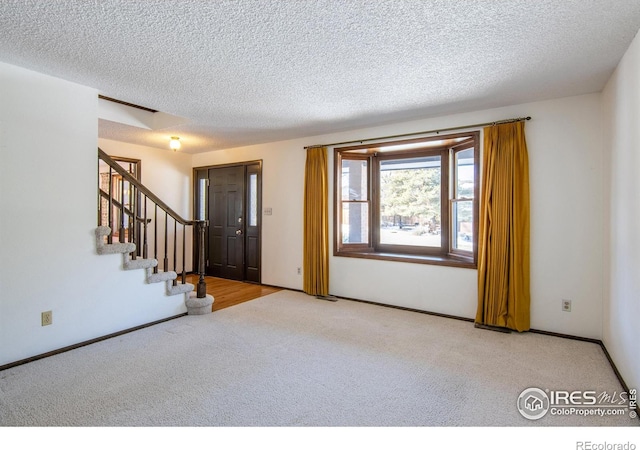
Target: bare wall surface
(583,224)
(48,260)
(622,238)
(564,139)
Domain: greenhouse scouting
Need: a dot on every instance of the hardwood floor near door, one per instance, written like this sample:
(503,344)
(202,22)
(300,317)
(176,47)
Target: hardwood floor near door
(229,292)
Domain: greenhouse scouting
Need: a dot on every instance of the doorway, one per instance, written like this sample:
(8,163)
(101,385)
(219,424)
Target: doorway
(112,184)
(229,198)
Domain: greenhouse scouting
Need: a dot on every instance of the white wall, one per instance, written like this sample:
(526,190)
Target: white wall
(48,125)
(565,150)
(621,99)
(282,184)
(167,174)
(48,215)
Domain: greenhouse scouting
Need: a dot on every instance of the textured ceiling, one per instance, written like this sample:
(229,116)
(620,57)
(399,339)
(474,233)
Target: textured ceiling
(253,71)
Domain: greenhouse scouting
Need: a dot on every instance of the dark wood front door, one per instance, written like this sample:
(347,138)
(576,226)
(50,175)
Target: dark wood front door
(226,222)
(230,199)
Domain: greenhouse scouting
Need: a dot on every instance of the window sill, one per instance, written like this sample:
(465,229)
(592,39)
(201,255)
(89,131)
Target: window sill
(450,261)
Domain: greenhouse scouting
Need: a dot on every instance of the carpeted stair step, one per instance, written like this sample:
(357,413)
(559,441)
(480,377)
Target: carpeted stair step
(125,248)
(111,249)
(160,276)
(134,264)
(179,288)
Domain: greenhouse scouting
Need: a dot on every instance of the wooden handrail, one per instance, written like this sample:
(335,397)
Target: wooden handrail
(132,180)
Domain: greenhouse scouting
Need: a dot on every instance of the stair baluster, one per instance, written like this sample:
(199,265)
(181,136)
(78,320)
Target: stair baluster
(110,213)
(184,264)
(145,245)
(155,237)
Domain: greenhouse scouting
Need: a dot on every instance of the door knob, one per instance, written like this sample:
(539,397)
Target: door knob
(238,232)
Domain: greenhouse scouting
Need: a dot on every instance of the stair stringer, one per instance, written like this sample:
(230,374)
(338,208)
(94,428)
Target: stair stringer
(125,249)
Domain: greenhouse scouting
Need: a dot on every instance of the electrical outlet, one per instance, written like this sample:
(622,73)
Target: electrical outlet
(299,271)
(566,305)
(47,318)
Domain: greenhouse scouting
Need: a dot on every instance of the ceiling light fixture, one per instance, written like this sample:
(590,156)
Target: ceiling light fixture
(174,143)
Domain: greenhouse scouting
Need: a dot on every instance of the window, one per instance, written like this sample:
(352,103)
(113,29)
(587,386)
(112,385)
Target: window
(252,209)
(202,199)
(413,201)
(355,202)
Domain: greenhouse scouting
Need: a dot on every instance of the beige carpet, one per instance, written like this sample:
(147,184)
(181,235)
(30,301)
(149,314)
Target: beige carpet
(288,359)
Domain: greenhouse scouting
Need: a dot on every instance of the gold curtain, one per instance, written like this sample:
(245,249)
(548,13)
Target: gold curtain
(316,223)
(503,245)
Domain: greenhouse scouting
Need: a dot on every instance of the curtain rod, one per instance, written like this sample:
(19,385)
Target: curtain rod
(477,125)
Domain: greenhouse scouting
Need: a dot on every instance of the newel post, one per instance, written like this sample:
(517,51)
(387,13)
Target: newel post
(199,302)
(202,286)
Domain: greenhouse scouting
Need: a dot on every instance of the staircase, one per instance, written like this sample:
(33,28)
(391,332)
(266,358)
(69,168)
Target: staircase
(135,264)
(123,204)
